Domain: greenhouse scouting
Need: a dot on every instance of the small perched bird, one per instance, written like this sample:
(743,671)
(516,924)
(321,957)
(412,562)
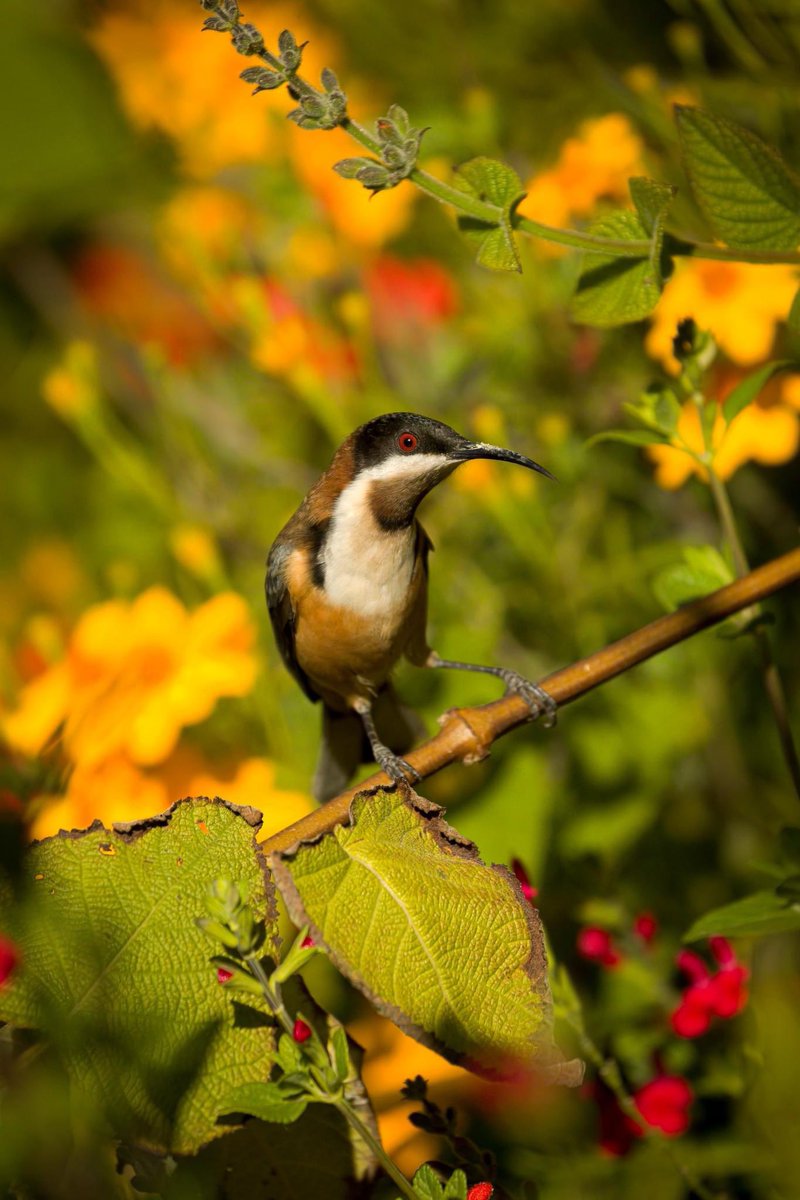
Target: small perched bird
(346,587)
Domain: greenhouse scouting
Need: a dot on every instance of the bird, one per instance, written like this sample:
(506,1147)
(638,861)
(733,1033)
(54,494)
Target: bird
(347,591)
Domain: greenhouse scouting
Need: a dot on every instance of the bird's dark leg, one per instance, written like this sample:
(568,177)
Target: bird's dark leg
(395,767)
(540,703)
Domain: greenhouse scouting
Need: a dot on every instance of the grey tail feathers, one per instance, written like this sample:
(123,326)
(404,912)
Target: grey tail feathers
(345,747)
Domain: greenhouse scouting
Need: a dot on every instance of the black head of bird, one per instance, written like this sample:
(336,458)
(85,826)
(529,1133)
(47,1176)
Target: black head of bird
(347,588)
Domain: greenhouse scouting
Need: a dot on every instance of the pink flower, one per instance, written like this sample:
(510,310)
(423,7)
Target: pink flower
(664,1104)
(645,926)
(306,942)
(708,995)
(9,959)
(528,890)
(224,975)
(301,1032)
(597,945)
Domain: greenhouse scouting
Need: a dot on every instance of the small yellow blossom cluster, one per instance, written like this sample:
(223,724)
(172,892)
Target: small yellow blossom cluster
(742,305)
(132,677)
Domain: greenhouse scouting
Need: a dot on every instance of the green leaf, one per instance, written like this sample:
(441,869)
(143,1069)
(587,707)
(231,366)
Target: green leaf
(702,570)
(314,1158)
(746,392)
(492,183)
(445,946)
(117,973)
(341,1053)
(427,1185)
(613,290)
(749,196)
(456,1187)
(652,201)
(756,915)
(266,1101)
(631,437)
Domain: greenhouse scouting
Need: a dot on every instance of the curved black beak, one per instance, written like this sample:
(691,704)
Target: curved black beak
(470,450)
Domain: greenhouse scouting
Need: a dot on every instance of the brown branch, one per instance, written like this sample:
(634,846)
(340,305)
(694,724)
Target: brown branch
(468,733)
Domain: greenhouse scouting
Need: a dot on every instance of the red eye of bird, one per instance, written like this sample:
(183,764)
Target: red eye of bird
(407,442)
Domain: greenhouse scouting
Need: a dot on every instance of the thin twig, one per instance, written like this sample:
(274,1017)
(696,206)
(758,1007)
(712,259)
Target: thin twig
(467,734)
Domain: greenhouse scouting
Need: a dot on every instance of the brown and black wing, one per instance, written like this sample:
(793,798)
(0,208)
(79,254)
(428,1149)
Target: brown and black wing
(417,649)
(282,614)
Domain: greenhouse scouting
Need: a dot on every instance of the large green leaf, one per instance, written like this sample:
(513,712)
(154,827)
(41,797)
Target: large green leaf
(762,913)
(494,183)
(444,945)
(749,196)
(613,290)
(116,973)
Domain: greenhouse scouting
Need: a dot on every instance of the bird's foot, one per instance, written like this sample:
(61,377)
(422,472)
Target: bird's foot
(540,702)
(395,767)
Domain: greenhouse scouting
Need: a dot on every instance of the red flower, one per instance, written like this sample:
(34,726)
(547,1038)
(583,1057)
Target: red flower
(723,994)
(664,1104)
(408,298)
(528,890)
(645,926)
(480,1191)
(223,974)
(306,942)
(597,945)
(9,959)
(301,1032)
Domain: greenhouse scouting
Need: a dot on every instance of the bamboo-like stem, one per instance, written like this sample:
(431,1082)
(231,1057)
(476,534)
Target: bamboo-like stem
(467,734)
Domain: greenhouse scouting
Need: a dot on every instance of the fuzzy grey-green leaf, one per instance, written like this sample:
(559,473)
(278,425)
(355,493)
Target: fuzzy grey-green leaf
(444,945)
(748,194)
(111,947)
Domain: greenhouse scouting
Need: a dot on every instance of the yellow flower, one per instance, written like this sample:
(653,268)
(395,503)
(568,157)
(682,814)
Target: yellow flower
(71,389)
(196,550)
(116,789)
(134,675)
(768,434)
(740,303)
(595,164)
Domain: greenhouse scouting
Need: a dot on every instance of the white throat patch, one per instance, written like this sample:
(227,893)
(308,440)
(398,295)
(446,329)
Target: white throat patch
(368,569)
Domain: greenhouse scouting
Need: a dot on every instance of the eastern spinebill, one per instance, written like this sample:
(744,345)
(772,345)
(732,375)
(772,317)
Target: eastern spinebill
(347,589)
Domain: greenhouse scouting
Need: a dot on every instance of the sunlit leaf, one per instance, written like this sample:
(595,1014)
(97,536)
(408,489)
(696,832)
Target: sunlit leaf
(444,945)
(112,954)
(746,392)
(749,196)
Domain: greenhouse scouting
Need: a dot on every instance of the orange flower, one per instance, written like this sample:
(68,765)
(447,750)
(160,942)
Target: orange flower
(740,303)
(176,78)
(594,165)
(768,434)
(134,675)
(390,1058)
(118,790)
(366,219)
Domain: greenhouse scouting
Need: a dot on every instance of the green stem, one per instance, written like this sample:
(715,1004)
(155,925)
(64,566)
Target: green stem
(273,997)
(773,685)
(492,214)
(367,1136)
